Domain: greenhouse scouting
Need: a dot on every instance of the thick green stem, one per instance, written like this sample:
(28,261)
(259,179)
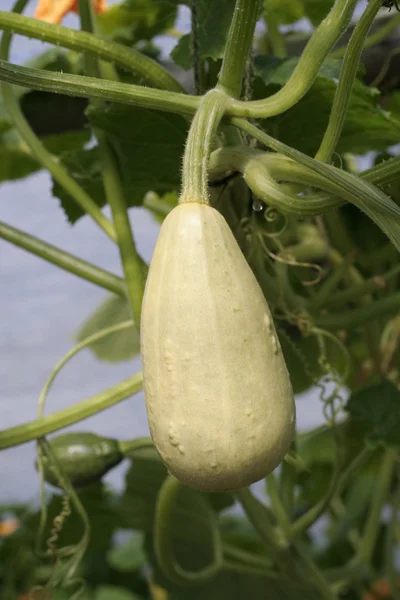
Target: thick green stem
(38,150)
(130,447)
(379,498)
(115,194)
(227,160)
(346,80)
(130,259)
(312,573)
(377,205)
(375,38)
(328,286)
(237,47)
(120,55)
(74,414)
(298,84)
(314,54)
(163,536)
(91,87)
(276,41)
(199,145)
(376,283)
(277,505)
(63,259)
(351,319)
(261,519)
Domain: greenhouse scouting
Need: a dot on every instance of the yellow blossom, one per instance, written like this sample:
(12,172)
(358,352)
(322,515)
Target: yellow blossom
(53,11)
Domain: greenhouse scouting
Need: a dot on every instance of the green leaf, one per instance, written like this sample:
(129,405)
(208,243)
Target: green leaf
(128,556)
(303,354)
(316,10)
(54,114)
(16,160)
(112,592)
(148,145)
(289,11)
(367,127)
(135,20)
(116,347)
(285,11)
(84,166)
(377,408)
(143,481)
(214,19)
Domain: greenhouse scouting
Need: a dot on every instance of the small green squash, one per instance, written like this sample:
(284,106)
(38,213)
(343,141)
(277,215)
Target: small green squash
(84,457)
(218,395)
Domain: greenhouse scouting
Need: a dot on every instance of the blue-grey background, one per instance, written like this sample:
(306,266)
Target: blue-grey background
(41,307)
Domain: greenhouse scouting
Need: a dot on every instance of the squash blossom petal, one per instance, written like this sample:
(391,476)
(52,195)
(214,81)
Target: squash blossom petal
(53,11)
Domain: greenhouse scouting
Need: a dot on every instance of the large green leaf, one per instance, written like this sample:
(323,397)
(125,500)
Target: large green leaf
(214,19)
(284,11)
(290,11)
(149,146)
(58,120)
(135,20)
(377,408)
(116,347)
(316,10)
(143,481)
(276,71)
(367,127)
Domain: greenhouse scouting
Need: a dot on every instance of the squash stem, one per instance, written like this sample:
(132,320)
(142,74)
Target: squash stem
(199,144)
(115,193)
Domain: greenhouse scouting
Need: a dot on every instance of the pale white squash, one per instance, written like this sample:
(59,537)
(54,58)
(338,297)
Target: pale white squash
(218,395)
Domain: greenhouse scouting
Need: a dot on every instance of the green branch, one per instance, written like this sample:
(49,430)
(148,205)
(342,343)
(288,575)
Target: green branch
(120,55)
(276,41)
(346,81)
(91,87)
(320,44)
(74,414)
(261,518)
(63,259)
(237,47)
(378,501)
(167,501)
(377,205)
(375,38)
(38,150)
(115,194)
(351,319)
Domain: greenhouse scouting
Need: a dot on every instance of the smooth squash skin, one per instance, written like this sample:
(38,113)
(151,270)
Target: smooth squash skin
(218,395)
(84,457)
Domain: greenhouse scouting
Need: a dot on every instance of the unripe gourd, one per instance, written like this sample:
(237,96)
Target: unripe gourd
(218,395)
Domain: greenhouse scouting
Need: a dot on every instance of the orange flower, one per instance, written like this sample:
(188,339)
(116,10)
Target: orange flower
(8,527)
(53,11)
